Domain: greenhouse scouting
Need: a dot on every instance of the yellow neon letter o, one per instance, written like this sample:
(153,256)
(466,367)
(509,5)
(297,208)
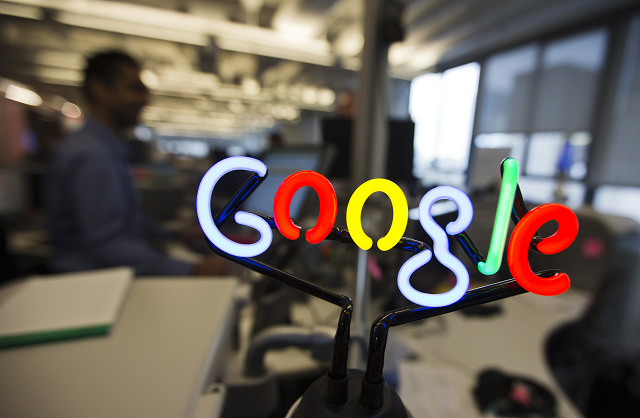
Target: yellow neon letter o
(400,213)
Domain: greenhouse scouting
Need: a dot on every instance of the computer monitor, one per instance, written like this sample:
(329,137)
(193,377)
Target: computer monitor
(339,133)
(484,168)
(281,163)
(400,150)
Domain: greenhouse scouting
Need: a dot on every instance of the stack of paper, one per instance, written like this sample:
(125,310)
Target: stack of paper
(46,308)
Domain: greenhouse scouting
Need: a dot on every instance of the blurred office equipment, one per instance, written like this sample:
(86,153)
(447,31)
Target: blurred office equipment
(14,195)
(399,157)
(589,259)
(482,175)
(6,260)
(249,377)
(511,395)
(273,300)
(595,359)
(160,202)
(400,151)
(282,162)
(169,345)
(23,252)
(452,366)
(338,132)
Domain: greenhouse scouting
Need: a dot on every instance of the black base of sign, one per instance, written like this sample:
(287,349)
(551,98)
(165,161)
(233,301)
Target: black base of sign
(313,404)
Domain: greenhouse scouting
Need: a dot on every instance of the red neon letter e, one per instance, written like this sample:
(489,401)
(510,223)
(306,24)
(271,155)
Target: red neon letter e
(328,205)
(518,258)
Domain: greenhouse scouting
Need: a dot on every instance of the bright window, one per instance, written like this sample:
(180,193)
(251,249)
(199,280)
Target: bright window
(442,107)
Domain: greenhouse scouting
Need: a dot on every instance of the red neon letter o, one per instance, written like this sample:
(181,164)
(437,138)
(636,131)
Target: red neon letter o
(518,258)
(328,205)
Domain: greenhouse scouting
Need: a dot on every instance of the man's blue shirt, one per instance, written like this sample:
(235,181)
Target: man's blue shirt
(93,208)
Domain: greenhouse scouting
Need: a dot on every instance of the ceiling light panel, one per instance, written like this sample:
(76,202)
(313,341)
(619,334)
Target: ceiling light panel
(130,28)
(21,10)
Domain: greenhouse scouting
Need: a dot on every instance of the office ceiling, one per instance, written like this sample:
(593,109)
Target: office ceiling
(277,56)
(324,32)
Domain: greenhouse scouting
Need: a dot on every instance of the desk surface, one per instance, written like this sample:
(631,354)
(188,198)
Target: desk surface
(154,363)
(513,342)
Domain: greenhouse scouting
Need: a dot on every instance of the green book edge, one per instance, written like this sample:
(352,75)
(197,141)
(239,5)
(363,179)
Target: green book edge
(46,336)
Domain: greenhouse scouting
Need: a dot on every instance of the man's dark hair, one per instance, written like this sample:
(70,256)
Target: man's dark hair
(105,66)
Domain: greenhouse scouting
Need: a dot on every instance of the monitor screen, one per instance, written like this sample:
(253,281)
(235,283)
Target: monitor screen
(282,163)
(484,168)
(339,133)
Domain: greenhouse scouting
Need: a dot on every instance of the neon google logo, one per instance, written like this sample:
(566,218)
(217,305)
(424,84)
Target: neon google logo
(517,255)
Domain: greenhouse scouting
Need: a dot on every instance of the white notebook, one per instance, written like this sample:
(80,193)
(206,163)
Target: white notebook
(55,307)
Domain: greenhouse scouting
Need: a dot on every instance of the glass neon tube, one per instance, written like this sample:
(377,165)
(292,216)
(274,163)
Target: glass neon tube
(501,223)
(518,254)
(441,249)
(203,209)
(328,205)
(400,213)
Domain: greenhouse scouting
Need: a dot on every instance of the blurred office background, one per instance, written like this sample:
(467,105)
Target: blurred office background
(424,92)
(463,85)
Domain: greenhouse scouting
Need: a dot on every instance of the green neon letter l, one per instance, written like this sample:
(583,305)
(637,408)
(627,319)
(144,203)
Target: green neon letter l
(501,224)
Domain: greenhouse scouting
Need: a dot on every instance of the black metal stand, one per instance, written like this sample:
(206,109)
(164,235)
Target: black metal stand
(312,404)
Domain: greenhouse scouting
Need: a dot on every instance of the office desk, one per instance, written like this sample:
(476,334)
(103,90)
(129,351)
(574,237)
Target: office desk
(166,347)
(513,342)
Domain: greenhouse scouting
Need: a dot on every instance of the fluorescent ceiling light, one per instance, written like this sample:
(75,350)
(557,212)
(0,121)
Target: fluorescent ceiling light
(250,86)
(267,37)
(295,92)
(131,28)
(426,56)
(71,110)
(298,26)
(21,10)
(282,91)
(282,52)
(400,54)
(198,120)
(310,95)
(351,63)
(236,106)
(149,78)
(326,97)
(59,59)
(285,112)
(163,128)
(22,95)
(350,42)
(60,76)
(219,92)
(143,133)
(151,22)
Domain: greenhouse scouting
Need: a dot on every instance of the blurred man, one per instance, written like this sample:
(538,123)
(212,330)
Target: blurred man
(92,203)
